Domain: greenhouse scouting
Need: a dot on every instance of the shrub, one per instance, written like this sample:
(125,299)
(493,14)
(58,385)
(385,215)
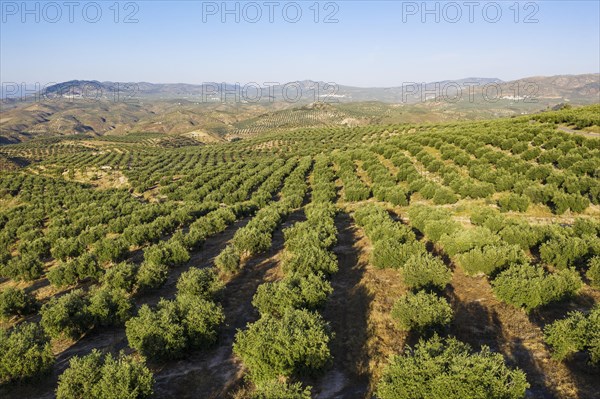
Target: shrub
(203,283)
(444,195)
(75,270)
(110,306)
(64,248)
(38,247)
(577,332)
(251,240)
(466,239)
(389,253)
(296,342)
(356,191)
(593,272)
(62,275)
(24,352)
(308,292)
(16,302)
(276,389)
(310,259)
(421,311)
(170,253)
(479,216)
(24,267)
(228,261)
(563,252)
(583,227)
(489,259)
(318,230)
(524,235)
(425,271)
(513,202)
(530,287)
(173,327)
(155,334)
(111,250)
(449,369)
(67,316)
(120,276)
(151,276)
(97,377)
(201,320)
(435,229)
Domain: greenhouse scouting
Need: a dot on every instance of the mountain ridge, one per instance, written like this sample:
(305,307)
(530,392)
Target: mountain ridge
(98,108)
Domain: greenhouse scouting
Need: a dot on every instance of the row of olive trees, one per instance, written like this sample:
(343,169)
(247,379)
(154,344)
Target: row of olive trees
(256,236)
(70,238)
(480,250)
(435,364)
(492,170)
(395,246)
(384,185)
(170,330)
(174,327)
(110,303)
(290,338)
(354,188)
(428,188)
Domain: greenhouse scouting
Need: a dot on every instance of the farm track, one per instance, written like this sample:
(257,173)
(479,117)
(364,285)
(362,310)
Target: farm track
(377,290)
(579,132)
(346,311)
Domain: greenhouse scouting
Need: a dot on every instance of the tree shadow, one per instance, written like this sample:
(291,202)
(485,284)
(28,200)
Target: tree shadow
(479,326)
(37,284)
(346,310)
(581,371)
(582,302)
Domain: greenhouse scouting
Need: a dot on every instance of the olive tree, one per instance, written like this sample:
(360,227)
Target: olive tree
(105,377)
(421,311)
(24,352)
(16,302)
(449,369)
(296,342)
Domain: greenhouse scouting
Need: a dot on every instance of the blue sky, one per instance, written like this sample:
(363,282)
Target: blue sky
(375,43)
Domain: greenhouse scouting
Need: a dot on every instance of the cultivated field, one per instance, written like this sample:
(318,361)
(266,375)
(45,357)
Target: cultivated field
(455,260)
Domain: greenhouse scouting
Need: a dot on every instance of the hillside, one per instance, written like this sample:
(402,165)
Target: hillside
(99,108)
(306,260)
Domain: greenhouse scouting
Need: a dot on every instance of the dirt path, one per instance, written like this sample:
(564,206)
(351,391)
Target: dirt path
(579,132)
(359,312)
(346,311)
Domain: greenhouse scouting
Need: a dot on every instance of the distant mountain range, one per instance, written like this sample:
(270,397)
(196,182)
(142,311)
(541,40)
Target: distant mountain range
(578,88)
(219,111)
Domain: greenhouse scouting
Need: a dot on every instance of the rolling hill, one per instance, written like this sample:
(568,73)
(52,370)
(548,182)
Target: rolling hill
(98,108)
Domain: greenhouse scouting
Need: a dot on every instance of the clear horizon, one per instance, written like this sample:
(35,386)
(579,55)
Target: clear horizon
(379,44)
